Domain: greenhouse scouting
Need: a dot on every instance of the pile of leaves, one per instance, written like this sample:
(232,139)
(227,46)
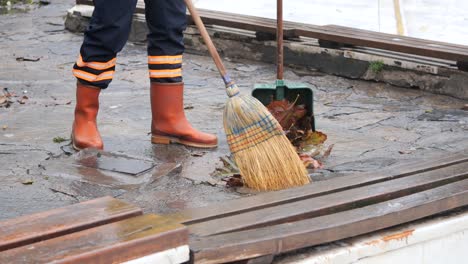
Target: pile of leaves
(7,98)
(298,128)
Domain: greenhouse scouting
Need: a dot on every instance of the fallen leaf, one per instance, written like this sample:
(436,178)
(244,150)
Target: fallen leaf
(58,102)
(327,153)
(402,152)
(234,181)
(198,154)
(309,162)
(210,183)
(311,150)
(315,138)
(27,182)
(23,99)
(27,59)
(465,107)
(229,173)
(287,114)
(4,127)
(59,140)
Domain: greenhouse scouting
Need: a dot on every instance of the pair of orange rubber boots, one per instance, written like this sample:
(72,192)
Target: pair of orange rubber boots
(169,124)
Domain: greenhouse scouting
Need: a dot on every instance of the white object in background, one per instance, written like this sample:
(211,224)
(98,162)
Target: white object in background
(171,256)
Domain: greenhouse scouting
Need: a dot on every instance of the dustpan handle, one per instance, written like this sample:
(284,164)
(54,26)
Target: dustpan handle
(279,39)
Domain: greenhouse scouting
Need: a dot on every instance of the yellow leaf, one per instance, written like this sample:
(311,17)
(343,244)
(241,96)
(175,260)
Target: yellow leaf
(315,138)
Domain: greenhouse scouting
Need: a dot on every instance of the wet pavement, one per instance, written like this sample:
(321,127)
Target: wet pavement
(372,125)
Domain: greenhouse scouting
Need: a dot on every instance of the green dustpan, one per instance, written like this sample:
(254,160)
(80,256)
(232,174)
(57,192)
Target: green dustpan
(287,90)
(281,89)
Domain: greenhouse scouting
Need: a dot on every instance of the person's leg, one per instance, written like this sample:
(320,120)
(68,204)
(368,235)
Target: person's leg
(106,36)
(166,21)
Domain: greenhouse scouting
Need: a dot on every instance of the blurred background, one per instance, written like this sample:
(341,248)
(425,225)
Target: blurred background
(439,20)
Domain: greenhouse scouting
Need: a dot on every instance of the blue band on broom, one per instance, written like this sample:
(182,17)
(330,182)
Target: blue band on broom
(265,157)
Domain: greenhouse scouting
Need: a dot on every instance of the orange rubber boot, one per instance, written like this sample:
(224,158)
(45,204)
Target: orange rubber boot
(84,132)
(169,124)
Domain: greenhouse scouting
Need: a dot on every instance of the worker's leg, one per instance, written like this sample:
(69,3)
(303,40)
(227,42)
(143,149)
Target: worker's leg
(106,35)
(166,22)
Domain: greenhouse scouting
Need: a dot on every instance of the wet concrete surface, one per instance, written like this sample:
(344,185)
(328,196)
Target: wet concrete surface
(372,125)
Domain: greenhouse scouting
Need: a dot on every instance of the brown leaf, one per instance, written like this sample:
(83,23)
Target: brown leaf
(287,114)
(309,162)
(234,181)
(4,101)
(23,99)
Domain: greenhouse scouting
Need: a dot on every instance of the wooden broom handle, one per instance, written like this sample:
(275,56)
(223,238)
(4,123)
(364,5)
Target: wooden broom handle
(209,43)
(279,39)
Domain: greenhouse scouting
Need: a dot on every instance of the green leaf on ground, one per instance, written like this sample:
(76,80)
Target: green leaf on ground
(59,139)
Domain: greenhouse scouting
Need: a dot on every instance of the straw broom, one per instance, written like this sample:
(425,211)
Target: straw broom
(265,157)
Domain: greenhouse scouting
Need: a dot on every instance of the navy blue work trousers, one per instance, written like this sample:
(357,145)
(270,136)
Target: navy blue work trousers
(108,32)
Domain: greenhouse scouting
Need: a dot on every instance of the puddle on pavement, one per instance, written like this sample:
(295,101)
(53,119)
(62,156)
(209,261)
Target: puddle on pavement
(444,115)
(113,162)
(115,171)
(19,6)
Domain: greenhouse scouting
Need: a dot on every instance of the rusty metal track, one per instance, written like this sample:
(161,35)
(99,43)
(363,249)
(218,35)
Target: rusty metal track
(325,211)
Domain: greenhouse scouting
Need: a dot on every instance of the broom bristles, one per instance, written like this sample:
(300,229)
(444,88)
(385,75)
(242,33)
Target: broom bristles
(265,157)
